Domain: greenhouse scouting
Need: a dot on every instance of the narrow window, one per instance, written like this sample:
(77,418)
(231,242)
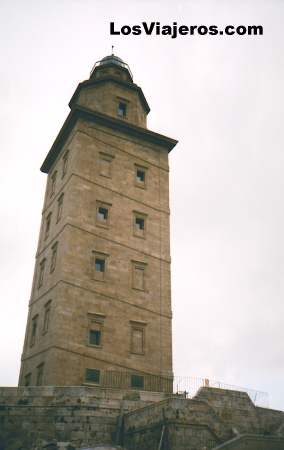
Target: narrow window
(34,330)
(46,317)
(65,163)
(140,176)
(28,379)
(59,207)
(102,214)
(137,381)
(137,343)
(39,375)
(95,329)
(138,275)
(53,183)
(99,261)
(95,334)
(122,109)
(105,164)
(53,256)
(41,272)
(92,375)
(47,225)
(100,265)
(139,224)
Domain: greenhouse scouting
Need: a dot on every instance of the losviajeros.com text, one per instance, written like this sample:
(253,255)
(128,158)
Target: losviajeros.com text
(174,30)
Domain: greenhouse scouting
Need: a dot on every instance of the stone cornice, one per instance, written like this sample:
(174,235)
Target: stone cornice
(80,112)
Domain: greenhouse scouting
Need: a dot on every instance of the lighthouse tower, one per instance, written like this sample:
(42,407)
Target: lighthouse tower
(100,307)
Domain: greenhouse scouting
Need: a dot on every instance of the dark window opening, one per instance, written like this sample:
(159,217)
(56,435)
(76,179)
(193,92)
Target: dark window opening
(100,265)
(95,337)
(34,330)
(102,213)
(48,222)
(28,379)
(93,375)
(140,175)
(140,223)
(137,381)
(121,110)
(59,207)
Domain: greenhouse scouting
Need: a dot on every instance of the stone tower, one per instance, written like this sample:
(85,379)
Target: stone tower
(100,307)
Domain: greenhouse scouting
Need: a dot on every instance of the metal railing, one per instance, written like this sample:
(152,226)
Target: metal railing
(190,385)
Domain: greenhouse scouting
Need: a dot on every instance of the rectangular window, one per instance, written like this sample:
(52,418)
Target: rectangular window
(34,330)
(39,375)
(140,176)
(122,109)
(59,207)
(46,317)
(53,183)
(99,263)
(139,224)
(138,275)
(137,343)
(65,163)
(105,164)
(95,336)
(137,381)
(95,329)
(47,225)
(41,272)
(28,379)
(92,376)
(53,256)
(102,214)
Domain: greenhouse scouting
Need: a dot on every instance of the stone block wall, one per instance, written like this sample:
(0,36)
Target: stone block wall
(30,417)
(211,418)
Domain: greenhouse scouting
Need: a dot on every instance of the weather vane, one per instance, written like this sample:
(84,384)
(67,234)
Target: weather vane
(112,47)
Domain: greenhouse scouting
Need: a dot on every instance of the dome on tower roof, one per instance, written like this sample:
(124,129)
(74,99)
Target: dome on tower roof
(112,59)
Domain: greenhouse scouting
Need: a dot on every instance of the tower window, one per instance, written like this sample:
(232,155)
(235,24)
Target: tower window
(39,375)
(137,381)
(95,330)
(92,375)
(139,224)
(140,176)
(53,183)
(95,335)
(122,109)
(105,164)
(102,214)
(53,256)
(137,339)
(99,265)
(47,225)
(28,379)
(138,275)
(34,330)
(46,317)
(59,207)
(41,272)
(65,163)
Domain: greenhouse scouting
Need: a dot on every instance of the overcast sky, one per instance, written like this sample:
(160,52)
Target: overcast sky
(223,99)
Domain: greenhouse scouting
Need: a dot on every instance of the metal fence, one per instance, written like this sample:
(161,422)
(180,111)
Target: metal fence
(190,385)
(187,386)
